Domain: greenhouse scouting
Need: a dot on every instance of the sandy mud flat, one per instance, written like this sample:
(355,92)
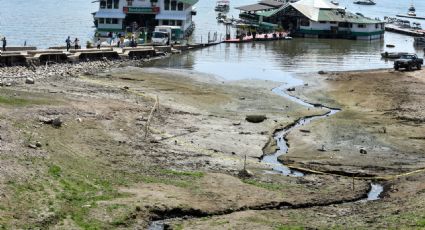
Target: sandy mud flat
(84,149)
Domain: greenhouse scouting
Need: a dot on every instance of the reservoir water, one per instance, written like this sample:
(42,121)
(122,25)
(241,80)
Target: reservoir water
(45,23)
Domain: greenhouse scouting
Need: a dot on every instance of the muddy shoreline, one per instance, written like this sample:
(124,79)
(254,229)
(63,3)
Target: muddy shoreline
(189,161)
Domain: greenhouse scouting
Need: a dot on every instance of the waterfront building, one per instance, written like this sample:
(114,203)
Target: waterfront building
(143,15)
(320,19)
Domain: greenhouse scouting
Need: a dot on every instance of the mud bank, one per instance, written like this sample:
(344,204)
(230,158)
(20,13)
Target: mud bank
(101,169)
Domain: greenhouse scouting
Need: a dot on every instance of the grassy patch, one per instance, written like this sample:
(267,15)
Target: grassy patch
(284,227)
(55,171)
(265,185)
(193,174)
(421,223)
(17,101)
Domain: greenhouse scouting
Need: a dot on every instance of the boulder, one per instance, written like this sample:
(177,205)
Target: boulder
(57,122)
(255,118)
(29,80)
(245,173)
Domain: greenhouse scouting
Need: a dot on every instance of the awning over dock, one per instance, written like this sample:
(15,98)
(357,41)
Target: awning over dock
(106,14)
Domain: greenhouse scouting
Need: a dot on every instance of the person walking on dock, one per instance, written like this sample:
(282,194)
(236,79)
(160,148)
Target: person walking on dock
(4,43)
(68,43)
(76,43)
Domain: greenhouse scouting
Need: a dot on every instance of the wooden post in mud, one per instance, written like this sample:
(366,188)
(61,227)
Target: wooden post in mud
(353,183)
(155,106)
(157,100)
(244,163)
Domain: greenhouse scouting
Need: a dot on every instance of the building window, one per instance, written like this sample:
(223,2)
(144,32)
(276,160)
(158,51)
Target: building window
(305,22)
(333,22)
(102,4)
(173,5)
(322,22)
(344,24)
(129,2)
(180,6)
(114,21)
(179,23)
(108,21)
(165,22)
(101,20)
(361,26)
(109,4)
(116,4)
(167,5)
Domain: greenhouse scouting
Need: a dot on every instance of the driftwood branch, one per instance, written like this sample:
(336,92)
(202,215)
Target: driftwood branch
(154,108)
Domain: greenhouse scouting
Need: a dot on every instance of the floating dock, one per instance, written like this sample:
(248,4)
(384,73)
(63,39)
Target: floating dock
(409,16)
(259,37)
(406,31)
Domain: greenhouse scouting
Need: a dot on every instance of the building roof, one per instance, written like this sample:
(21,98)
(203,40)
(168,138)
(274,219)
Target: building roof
(189,2)
(273,3)
(312,8)
(337,16)
(321,10)
(255,7)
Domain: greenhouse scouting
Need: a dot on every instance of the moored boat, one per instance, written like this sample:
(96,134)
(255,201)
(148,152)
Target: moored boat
(392,55)
(336,3)
(365,2)
(412,11)
(222,6)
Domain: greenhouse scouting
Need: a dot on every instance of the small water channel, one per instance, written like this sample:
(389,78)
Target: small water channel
(280,137)
(282,142)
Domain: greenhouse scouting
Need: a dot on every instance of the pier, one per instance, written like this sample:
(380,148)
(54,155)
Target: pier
(22,56)
(405,31)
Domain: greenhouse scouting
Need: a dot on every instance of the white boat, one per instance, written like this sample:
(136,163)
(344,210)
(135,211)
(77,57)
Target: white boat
(336,3)
(222,6)
(365,2)
(412,11)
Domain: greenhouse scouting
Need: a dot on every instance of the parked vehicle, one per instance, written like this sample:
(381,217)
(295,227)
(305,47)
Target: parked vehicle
(166,35)
(408,61)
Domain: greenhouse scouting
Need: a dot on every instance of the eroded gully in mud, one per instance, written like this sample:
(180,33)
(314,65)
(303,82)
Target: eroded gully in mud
(279,168)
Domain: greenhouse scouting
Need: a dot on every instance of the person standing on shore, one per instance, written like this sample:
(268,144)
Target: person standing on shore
(76,43)
(98,43)
(68,43)
(4,43)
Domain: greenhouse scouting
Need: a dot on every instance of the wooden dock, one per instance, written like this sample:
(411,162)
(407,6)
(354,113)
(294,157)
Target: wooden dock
(30,55)
(405,31)
(408,16)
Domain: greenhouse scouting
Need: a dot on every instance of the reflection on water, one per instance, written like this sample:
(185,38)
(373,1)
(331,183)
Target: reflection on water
(278,60)
(45,23)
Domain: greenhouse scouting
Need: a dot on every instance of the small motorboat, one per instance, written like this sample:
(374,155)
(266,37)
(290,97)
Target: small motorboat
(365,2)
(222,6)
(412,11)
(336,3)
(392,55)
